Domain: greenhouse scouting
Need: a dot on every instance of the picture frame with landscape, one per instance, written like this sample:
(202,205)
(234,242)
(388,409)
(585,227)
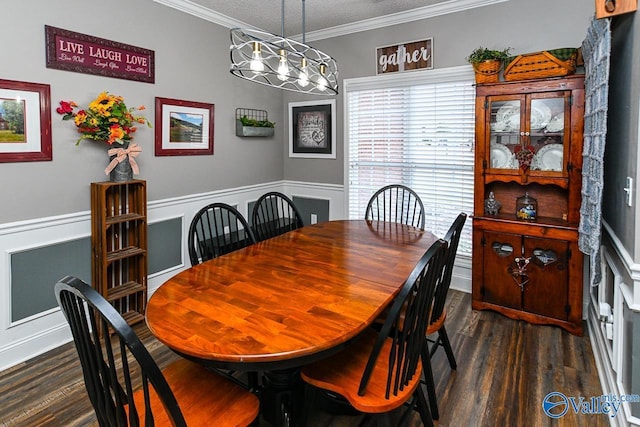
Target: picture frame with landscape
(183,128)
(25,121)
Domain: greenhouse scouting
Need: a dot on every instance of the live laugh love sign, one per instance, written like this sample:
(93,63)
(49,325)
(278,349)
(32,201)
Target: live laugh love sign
(71,51)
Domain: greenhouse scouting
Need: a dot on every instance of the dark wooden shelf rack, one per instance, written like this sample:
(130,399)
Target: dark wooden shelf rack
(119,245)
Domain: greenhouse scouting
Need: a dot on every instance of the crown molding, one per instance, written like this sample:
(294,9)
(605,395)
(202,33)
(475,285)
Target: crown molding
(194,9)
(444,8)
(451,6)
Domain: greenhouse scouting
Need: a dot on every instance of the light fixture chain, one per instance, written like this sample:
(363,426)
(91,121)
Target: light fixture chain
(303,23)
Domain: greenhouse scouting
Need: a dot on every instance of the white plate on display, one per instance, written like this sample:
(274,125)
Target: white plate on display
(548,158)
(540,115)
(508,110)
(556,124)
(502,157)
(508,117)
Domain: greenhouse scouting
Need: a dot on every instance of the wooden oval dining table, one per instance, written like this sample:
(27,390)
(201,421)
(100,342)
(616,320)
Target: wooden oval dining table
(289,300)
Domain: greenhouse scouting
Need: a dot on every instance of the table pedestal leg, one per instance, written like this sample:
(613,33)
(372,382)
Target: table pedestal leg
(282,397)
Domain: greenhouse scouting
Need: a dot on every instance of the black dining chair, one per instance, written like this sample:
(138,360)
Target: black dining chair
(381,371)
(396,203)
(215,230)
(439,311)
(124,383)
(274,214)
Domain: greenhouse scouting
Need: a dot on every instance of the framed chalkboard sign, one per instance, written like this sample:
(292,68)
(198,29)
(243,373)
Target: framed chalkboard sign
(312,132)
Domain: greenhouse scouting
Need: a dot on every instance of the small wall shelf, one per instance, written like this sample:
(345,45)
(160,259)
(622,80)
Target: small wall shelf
(256,115)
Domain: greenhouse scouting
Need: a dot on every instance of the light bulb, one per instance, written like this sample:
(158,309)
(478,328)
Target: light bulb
(303,77)
(322,82)
(283,66)
(256,64)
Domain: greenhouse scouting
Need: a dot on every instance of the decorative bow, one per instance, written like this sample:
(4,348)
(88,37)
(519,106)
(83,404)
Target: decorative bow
(519,272)
(121,154)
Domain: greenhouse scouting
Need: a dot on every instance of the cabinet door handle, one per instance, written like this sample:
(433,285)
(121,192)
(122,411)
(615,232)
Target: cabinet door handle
(521,133)
(526,133)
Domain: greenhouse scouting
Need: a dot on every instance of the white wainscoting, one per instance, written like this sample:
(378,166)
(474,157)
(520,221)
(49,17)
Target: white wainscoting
(611,355)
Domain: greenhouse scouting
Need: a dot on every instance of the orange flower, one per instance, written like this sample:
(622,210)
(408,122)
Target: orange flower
(80,118)
(115,133)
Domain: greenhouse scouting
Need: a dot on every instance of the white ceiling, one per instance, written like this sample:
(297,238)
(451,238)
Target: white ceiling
(323,18)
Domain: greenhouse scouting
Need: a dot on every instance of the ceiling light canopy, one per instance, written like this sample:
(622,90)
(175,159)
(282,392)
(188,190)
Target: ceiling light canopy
(281,62)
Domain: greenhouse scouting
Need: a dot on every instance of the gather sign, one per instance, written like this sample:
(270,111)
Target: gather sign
(71,51)
(407,56)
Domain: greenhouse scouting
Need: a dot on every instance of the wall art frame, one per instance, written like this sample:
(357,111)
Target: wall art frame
(312,131)
(25,122)
(183,128)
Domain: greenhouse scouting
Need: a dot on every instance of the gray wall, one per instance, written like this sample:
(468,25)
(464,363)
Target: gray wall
(621,152)
(621,161)
(192,63)
(524,25)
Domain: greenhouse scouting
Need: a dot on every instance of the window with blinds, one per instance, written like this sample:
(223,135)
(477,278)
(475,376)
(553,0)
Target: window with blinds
(419,134)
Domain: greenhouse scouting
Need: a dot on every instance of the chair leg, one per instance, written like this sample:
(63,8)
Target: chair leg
(428,379)
(310,395)
(444,338)
(423,409)
(252,381)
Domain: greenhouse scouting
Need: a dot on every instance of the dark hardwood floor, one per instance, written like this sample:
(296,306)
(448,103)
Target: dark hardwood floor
(505,369)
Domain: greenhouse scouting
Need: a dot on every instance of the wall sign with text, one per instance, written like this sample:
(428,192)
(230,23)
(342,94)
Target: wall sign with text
(71,51)
(416,55)
(312,132)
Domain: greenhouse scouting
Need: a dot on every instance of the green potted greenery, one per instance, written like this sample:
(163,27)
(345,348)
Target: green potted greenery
(246,126)
(487,63)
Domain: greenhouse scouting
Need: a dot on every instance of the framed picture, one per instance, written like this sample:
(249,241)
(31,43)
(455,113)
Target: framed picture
(183,128)
(312,133)
(25,122)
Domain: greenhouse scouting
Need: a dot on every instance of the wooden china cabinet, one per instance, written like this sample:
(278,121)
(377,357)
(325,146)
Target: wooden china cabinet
(529,142)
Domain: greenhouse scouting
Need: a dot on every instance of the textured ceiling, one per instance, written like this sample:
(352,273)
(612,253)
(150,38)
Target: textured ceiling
(319,14)
(343,16)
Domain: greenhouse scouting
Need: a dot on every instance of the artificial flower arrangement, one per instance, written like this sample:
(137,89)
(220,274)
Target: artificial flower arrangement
(524,156)
(106,119)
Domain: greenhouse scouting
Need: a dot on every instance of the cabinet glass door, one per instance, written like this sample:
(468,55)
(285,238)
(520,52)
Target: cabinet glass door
(546,137)
(505,128)
(527,132)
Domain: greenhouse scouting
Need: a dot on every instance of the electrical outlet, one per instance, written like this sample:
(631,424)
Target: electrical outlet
(314,218)
(629,190)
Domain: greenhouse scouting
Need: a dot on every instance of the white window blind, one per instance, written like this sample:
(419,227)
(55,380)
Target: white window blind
(420,135)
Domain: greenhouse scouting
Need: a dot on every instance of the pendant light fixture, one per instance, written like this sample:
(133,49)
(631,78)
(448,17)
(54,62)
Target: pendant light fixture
(281,62)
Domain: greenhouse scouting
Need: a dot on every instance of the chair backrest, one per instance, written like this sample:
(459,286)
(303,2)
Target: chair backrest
(396,203)
(109,361)
(406,322)
(274,214)
(452,238)
(215,230)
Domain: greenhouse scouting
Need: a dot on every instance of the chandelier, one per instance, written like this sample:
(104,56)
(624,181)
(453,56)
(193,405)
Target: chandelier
(281,62)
